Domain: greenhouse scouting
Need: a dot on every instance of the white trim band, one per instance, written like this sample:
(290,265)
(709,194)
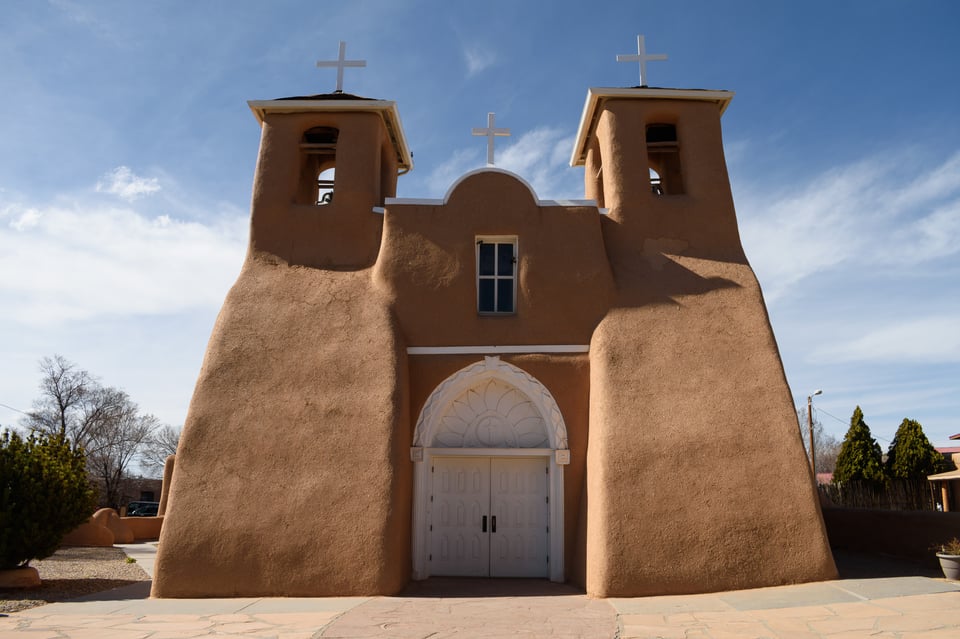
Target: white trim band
(494,350)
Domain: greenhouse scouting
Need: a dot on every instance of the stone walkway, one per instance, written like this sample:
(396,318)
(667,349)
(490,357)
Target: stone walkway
(899,607)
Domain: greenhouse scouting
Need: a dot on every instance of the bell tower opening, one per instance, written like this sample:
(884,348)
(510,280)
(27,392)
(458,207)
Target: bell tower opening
(318,160)
(663,154)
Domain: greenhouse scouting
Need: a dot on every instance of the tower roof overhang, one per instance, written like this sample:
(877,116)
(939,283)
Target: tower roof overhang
(386,109)
(596,96)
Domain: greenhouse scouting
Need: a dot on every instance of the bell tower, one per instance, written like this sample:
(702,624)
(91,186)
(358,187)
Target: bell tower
(325,165)
(654,159)
(686,339)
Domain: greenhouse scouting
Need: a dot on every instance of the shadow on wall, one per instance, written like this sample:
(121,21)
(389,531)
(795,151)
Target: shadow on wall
(665,278)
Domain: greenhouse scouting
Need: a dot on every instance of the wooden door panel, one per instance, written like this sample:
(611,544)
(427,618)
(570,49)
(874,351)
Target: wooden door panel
(519,547)
(461,497)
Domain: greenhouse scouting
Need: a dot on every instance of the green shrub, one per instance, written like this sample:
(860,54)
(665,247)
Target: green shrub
(860,457)
(911,455)
(44,494)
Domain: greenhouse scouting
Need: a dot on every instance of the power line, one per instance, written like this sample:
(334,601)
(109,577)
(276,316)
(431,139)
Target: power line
(16,410)
(842,421)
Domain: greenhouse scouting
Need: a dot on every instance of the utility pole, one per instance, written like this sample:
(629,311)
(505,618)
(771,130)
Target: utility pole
(813,454)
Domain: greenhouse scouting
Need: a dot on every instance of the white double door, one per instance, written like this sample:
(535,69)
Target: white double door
(490,517)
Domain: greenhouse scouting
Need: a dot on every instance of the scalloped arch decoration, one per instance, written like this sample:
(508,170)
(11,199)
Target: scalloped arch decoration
(491,404)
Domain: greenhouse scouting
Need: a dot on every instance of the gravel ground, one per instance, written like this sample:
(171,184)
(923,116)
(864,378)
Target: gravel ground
(74,572)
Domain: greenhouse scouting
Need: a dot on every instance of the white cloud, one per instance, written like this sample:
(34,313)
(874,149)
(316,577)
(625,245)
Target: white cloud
(78,262)
(25,220)
(478,59)
(123,183)
(927,339)
(869,215)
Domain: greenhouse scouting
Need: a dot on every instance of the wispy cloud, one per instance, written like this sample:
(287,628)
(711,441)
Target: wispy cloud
(871,214)
(478,59)
(447,172)
(84,15)
(24,219)
(125,184)
(539,156)
(925,339)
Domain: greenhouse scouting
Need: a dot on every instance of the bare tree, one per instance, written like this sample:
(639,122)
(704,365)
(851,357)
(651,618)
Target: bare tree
(64,407)
(104,421)
(162,444)
(826,446)
(117,441)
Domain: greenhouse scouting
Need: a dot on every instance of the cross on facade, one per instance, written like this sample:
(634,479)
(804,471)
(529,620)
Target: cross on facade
(490,132)
(642,58)
(341,62)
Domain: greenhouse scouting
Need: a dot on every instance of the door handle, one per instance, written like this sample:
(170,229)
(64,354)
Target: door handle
(493,524)
(483,525)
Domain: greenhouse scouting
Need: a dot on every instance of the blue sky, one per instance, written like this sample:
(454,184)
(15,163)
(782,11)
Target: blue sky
(128,153)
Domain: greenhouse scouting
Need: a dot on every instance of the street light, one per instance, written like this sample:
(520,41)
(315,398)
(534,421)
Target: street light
(813,455)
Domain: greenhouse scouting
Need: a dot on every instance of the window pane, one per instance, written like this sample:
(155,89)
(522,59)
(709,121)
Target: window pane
(504,296)
(486,258)
(504,259)
(486,296)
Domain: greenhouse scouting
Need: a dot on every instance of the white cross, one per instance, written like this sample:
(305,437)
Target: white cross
(642,58)
(490,132)
(340,63)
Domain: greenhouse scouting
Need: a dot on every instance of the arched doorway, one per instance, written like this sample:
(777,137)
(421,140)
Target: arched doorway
(489,449)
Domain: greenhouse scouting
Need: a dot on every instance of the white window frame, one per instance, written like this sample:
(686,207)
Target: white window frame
(498,239)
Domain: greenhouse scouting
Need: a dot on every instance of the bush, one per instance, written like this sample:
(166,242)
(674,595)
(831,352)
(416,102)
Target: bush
(44,494)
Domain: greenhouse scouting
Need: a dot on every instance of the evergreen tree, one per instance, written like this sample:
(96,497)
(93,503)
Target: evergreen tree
(44,494)
(860,455)
(911,455)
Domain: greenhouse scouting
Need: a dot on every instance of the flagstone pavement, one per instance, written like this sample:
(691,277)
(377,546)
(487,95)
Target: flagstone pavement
(901,607)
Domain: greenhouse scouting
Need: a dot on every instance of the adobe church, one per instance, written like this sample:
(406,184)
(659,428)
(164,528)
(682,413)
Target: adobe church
(491,384)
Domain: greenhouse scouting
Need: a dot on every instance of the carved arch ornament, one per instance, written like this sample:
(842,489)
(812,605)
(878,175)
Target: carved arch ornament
(491,404)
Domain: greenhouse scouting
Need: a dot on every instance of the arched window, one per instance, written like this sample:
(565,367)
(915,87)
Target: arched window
(656,185)
(663,153)
(325,186)
(318,160)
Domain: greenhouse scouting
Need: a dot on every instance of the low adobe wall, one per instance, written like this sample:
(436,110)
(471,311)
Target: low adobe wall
(144,528)
(901,533)
(106,528)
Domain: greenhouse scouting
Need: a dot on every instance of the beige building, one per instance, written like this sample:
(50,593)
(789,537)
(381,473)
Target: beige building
(491,384)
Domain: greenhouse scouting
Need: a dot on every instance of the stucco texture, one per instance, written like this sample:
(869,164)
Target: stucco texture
(696,477)
(292,476)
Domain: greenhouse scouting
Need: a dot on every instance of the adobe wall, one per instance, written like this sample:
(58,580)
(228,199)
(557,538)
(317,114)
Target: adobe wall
(427,264)
(144,528)
(718,495)
(696,478)
(292,477)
